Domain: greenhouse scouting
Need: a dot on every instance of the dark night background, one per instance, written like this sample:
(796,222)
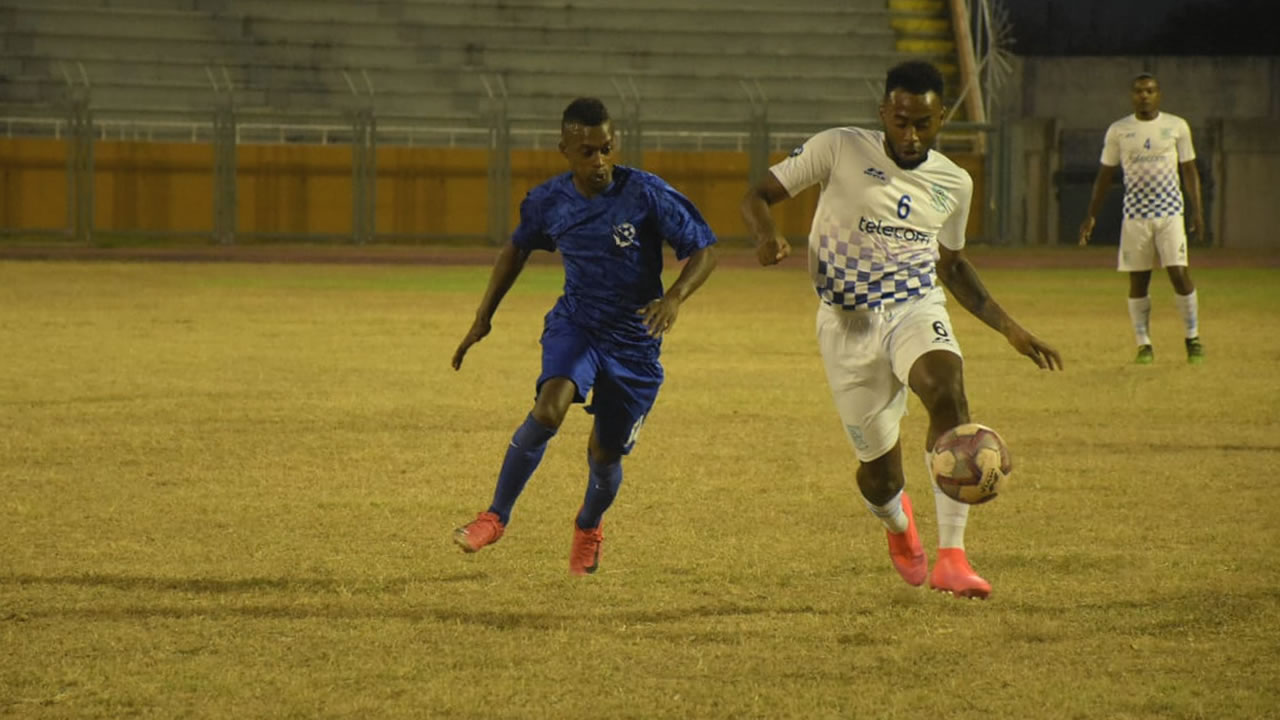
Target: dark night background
(1145,27)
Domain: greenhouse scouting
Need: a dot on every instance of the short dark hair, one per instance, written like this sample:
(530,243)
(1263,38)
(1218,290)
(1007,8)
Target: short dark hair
(915,76)
(1143,76)
(585,111)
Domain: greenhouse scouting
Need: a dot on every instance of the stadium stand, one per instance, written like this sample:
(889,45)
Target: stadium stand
(817,61)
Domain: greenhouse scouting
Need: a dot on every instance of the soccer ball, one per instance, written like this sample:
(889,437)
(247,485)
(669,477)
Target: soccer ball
(971,462)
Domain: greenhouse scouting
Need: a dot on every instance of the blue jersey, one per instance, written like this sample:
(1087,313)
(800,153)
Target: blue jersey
(612,250)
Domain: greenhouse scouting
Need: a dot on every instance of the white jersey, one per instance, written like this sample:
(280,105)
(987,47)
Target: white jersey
(874,240)
(1149,151)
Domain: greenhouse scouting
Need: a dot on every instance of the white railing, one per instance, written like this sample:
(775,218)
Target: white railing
(186,130)
(259,133)
(196,131)
(53,127)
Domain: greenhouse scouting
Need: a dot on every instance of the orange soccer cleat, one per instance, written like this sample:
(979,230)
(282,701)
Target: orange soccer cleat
(952,574)
(486,529)
(906,551)
(584,556)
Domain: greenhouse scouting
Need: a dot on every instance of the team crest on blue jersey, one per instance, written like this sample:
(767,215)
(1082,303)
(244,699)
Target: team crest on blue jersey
(624,235)
(798,149)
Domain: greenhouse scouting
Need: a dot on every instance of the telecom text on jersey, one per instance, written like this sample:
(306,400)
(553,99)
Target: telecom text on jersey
(897,232)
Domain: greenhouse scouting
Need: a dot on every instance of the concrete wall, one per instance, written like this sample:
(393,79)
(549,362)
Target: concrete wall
(1057,109)
(1092,92)
(1248,169)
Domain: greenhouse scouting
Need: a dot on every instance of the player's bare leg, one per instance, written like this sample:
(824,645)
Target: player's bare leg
(1140,315)
(554,398)
(1180,277)
(523,455)
(1188,308)
(881,482)
(937,378)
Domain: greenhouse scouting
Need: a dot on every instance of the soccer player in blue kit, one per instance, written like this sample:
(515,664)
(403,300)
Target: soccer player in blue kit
(604,334)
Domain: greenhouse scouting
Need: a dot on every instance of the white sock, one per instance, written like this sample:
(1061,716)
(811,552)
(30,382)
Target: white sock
(890,513)
(1189,306)
(953,515)
(1140,316)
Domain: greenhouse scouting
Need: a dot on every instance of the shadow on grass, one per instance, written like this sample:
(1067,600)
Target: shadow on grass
(236,585)
(314,598)
(121,398)
(1127,447)
(1182,610)
(494,619)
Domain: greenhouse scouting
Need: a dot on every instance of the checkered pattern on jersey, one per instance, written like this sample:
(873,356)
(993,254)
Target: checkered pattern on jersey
(860,273)
(1151,193)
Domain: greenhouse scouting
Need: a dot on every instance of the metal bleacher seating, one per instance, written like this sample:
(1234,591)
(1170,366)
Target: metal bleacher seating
(816,61)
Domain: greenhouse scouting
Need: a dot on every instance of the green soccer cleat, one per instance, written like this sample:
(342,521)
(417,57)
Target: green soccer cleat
(1195,351)
(1147,354)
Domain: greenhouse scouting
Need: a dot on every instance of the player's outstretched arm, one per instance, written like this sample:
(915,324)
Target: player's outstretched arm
(1101,184)
(771,246)
(660,315)
(505,271)
(961,278)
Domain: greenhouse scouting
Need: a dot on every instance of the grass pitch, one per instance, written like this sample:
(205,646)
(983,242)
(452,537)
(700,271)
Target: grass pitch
(227,491)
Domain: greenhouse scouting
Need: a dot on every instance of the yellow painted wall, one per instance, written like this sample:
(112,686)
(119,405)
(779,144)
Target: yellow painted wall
(432,190)
(33,184)
(308,189)
(293,189)
(152,186)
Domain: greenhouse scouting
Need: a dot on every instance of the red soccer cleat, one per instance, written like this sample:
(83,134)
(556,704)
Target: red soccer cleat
(584,556)
(952,574)
(486,529)
(905,549)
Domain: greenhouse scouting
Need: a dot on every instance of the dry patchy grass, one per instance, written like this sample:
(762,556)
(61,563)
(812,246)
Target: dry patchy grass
(227,491)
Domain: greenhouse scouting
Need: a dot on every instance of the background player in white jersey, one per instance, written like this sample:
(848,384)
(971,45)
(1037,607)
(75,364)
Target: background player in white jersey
(889,224)
(1153,147)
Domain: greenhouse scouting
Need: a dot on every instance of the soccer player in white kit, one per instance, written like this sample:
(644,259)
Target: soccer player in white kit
(1154,148)
(889,226)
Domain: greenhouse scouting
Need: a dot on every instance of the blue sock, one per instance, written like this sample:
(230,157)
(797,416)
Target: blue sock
(602,488)
(527,446)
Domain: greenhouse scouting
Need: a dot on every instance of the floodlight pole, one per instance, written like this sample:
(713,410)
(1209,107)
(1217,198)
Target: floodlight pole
(499,176)
(364,161)
(80,162)
(758,130)
(224,158)
(633,140)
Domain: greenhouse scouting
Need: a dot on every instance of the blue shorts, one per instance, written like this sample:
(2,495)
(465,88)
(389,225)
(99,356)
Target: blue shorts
(624,389)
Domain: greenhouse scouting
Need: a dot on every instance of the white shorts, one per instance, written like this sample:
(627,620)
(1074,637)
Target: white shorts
(1143,239)
(868,357)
